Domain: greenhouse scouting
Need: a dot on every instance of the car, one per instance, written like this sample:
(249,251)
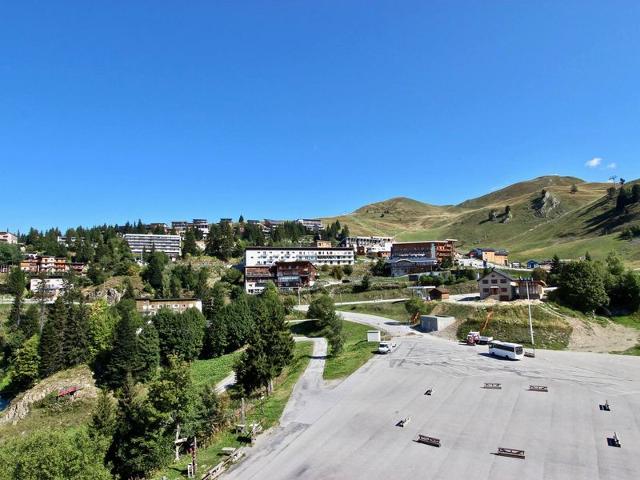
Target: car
(386,347)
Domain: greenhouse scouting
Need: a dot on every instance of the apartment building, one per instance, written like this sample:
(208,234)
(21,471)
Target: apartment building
(146,242)
(313,224)
(287,276)
(52,286)
(48,264)
(151,306)
(8,237)
(491,255)
(417,257)
(268,256)
(371,246)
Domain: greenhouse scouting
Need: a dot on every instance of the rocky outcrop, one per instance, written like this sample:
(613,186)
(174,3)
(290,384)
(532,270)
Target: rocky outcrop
(80,377)
(546,204)
(111,295)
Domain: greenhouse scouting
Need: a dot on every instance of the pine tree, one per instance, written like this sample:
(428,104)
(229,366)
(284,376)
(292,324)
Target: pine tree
(189,246)
(123,355)
(52,339)
(29,324)
(26,365)
(76,335)
(103,419)
(147,356)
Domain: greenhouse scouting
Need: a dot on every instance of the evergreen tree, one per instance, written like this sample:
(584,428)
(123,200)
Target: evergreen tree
(129,291)
(123,355)
(270,346)
(103,421)
(215,343)
(624,198)
(29,324)
(26,365)
(153,274)
(180,334)
(141,442)
(635,193)
(16,283)
(76,335)
(52,339)
(189,246)
(147,353)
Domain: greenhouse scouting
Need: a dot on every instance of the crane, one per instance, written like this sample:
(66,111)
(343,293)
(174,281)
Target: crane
(474,337)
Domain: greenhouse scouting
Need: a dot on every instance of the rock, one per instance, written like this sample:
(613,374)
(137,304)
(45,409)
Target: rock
(79,377)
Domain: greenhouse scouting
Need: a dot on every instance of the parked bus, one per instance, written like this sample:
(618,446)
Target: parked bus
(513,351)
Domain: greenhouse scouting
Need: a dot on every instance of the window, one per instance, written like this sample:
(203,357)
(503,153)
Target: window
(502,280)
(503,290)
(494,281)
(485,281)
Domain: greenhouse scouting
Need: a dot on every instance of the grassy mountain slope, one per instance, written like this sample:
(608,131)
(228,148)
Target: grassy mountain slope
(562,222)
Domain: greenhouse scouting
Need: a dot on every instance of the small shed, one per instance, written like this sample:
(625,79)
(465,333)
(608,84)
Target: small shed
(439,293)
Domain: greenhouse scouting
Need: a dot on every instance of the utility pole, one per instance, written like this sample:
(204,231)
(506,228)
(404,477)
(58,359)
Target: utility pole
(530,323)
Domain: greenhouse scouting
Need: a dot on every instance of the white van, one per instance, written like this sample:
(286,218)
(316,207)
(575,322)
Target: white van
(386,347)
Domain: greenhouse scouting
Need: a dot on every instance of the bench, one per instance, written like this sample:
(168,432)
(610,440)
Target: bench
(614,441)
(428,392)
(510,452)
(214,472)
(538,388)
(496,386)
(434,442)
(403,422)
(605,407)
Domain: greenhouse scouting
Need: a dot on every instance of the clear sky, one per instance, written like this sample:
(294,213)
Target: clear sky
(114,111)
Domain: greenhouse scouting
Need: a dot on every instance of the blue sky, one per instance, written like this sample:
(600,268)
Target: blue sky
(114,111)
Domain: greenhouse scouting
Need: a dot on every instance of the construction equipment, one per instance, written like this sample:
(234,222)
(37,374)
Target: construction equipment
(477,338)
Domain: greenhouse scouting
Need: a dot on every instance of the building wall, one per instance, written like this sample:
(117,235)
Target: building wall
(495,285)
(169,244)
(8,237)
(151,306)
(265,256)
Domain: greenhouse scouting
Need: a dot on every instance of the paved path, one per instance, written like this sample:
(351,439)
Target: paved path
(297,415)
(393,327)
(226,382)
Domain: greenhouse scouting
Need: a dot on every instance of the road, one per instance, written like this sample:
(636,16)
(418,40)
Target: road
(348,430)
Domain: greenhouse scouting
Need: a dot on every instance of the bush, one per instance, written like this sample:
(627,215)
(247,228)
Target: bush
(347,269)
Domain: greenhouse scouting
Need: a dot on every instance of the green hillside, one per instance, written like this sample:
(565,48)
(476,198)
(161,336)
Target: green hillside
(547,216)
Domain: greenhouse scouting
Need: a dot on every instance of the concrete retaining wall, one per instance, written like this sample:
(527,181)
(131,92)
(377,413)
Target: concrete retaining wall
(434,323)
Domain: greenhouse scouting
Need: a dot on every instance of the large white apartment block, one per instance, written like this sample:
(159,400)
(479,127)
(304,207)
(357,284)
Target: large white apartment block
(267,256)
(146,242)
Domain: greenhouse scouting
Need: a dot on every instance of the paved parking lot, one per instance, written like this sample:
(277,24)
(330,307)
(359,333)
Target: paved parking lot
(349,432)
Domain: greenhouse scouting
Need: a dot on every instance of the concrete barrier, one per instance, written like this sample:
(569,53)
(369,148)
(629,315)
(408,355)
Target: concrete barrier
(435,323)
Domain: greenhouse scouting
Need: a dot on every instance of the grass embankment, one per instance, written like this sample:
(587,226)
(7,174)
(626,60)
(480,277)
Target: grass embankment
(392,310)
(51,414)
(510,323)
(212,371)
(355,353)
(267,411)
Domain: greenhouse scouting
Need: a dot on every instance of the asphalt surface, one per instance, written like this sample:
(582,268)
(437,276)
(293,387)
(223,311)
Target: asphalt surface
(347,431)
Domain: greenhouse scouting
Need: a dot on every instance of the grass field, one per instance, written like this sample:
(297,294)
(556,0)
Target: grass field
(211,371)
(266,411)
(582,221)
(510,323)
(356,349)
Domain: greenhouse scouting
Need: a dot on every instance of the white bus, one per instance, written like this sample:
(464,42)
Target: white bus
(513,351)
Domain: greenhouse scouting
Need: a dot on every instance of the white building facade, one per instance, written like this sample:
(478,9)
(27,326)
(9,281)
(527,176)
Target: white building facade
(146,242)
(267,256)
